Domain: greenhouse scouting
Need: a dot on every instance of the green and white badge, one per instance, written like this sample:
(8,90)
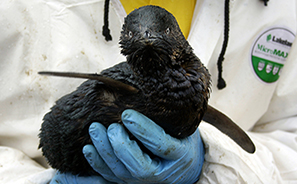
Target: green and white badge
(270,51)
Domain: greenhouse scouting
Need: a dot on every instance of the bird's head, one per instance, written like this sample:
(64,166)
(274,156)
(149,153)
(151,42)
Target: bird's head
(152,40)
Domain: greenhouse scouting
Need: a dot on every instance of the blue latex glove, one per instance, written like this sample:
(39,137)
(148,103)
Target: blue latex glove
(119,159)
(63,178)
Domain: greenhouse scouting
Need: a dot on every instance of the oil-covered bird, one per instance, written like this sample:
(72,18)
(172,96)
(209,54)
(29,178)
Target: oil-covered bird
(162,78)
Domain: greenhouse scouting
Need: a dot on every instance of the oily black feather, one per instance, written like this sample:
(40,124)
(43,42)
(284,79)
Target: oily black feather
(172,88)
(64,131)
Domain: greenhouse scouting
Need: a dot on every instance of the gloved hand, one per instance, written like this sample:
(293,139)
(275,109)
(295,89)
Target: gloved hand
(64,178)
(119,159)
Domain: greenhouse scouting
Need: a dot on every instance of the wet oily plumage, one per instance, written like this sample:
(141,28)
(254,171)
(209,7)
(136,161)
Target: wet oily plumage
(162,78)
(170,76)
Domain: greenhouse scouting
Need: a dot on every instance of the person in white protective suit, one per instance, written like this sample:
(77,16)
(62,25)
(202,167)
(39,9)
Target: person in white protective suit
(259,70)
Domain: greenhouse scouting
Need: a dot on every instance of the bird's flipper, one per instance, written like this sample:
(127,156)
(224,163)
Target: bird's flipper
(106,80)
(228,127)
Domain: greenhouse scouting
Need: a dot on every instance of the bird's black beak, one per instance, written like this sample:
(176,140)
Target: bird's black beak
(147,35)
(148,38)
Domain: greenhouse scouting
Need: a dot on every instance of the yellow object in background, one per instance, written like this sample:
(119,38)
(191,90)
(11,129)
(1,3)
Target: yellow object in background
(181,9)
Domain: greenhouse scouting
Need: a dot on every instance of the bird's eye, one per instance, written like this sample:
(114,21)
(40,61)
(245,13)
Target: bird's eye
(130,34)
(167,31)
